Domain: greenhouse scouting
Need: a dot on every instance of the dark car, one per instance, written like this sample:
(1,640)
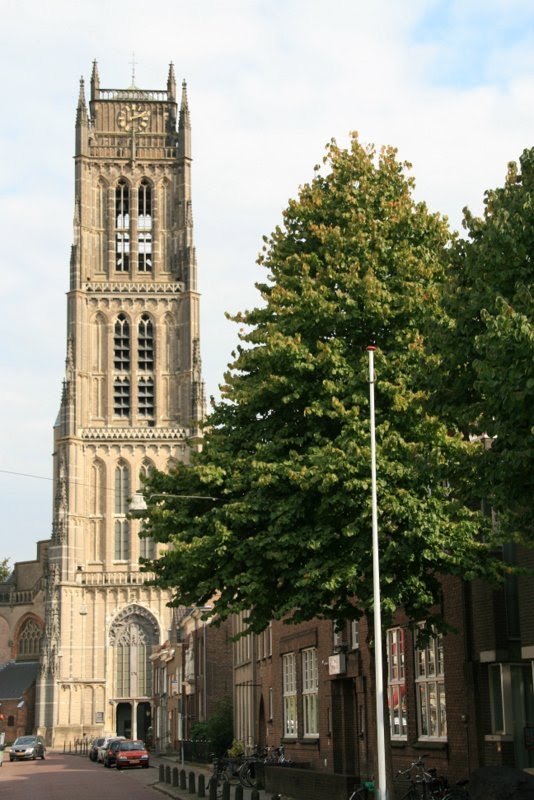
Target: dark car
(131,753)
(101,752)
(27,747)
(93,748)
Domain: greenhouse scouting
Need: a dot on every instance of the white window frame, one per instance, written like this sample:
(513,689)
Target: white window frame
(395,642)
(289,693)
(430,690)
(310,692)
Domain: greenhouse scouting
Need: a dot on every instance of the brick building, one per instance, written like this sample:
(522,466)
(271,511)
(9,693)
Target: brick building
(465,698)
(192,674)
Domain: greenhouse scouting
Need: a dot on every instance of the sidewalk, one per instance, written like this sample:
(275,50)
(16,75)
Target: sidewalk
(173,761)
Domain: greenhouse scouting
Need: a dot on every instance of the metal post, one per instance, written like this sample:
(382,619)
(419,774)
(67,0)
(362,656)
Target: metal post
(381,789)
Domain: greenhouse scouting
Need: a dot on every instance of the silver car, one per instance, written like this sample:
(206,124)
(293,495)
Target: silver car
(26,747)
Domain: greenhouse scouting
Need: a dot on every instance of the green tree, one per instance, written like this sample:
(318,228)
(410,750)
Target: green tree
(287,449)
(489,351)
(5,570)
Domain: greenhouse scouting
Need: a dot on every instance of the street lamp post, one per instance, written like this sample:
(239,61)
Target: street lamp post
(381,790)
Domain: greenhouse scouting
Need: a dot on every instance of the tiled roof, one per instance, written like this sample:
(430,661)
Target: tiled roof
(16,677)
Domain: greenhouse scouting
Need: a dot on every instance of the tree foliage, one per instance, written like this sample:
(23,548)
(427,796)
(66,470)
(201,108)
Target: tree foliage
(489,351)
(5,570)
(287,449)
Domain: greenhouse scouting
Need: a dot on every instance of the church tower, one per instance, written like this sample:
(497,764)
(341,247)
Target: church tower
(132,400)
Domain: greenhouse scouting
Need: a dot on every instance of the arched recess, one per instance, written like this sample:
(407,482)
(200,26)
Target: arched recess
(97,511)
(133,633)
(147,546)
(28,637)
(5,645)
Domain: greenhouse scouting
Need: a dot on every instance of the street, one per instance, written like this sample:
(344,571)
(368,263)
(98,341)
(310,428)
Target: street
(74,777)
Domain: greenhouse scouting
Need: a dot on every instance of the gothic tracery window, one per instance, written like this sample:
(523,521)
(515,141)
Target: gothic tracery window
(30,640)
(122,227)
(121,364)
(145,364)
(122,525)
(133,635)
(144,228)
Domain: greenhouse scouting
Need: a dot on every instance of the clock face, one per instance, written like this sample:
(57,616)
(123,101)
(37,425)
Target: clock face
(134,117)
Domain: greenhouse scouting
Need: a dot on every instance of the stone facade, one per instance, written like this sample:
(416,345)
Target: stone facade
(132,400)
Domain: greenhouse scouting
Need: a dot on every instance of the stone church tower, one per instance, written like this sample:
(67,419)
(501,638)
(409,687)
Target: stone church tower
(132,400)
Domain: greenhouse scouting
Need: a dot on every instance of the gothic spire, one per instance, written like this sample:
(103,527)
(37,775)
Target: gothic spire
(95,82)
(171,84)
(184,126)
(81,110)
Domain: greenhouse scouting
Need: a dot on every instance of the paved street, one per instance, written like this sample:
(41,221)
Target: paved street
(74,777)
(78,778)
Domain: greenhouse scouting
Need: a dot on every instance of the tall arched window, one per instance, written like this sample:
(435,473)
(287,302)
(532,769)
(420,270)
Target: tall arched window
(147,547)
(121,363)
(122,488)
(145,344)
(144,228)
(122,525)
(133,635)
(30,640)
(145,364)
(122,227)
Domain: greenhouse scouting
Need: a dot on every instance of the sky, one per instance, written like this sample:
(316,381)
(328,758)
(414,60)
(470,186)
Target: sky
(270,82)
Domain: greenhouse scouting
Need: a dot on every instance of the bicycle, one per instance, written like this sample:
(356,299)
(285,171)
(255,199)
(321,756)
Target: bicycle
(424,783)
(247,773)
(220,775)
(363,792)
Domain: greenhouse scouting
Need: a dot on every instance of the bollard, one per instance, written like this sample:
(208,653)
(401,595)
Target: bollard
(162,773)
(183,779)
(202,785)
(255,794)
(226,790)
(191,783)
(64,746)
(175,776)
(212,789)
(167,774)
(238,792)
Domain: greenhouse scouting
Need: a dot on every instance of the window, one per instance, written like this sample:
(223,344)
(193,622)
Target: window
(147,546)
(30,640)
(511,697)
(396,683)
(146,397)
(145,344)
(121,363)
(10,721)
(122,225)
(122,488)
(430,688)
(132,636)
(354,634)
(310,692)
(122,540)
(289,678)
(144,228)
(121,397)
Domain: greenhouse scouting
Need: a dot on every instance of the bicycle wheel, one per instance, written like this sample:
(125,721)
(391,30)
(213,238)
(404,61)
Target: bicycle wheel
(247,775)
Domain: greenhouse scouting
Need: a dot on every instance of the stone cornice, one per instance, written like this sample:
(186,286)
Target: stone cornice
(175,287)
(133,434)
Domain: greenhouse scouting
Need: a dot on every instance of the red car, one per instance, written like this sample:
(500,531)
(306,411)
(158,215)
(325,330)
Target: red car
(131,753)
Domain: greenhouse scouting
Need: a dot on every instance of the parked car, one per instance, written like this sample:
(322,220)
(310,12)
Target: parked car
(104,746)
(131,753)
(93,748)
(26,747)
(109,755)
